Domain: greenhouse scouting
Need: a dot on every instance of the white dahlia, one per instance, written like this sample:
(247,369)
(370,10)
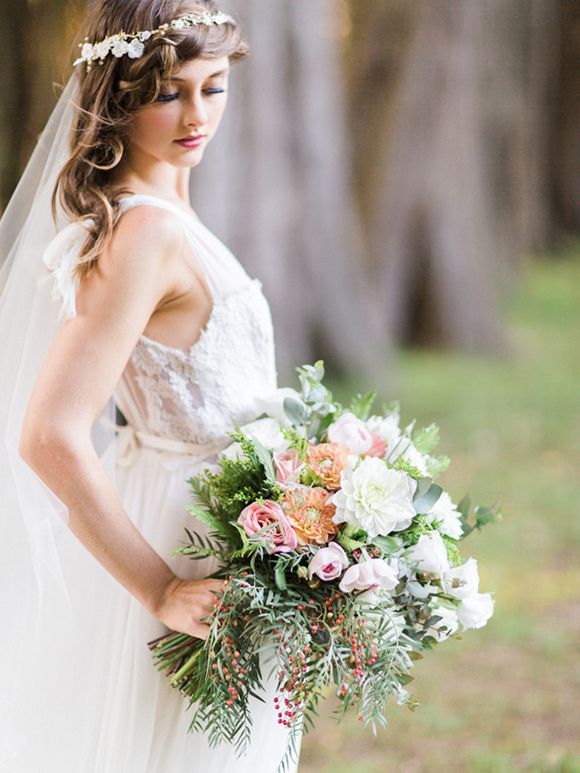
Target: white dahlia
(373,497)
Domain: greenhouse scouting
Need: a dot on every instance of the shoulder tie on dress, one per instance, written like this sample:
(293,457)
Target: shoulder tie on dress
(60,257)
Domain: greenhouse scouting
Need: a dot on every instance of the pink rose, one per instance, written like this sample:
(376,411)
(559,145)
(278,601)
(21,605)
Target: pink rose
(351,432)
(288,466)
(378,447)
(374,573)
(254,517)
(328,562)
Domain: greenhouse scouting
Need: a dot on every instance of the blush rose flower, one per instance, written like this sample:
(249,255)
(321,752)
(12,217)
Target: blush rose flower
(328,460)
(288,466)
(378,446)
(256,516)
(350,431)
(328,562)
(310,513)
(374,573)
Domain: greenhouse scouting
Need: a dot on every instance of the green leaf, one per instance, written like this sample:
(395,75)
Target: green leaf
(426,439)
(209,518)
(280,575)
(388,544)
(265,457)
(295,411)
(361,404)
(437,464)
(423,486)
(425,502)
(348,543)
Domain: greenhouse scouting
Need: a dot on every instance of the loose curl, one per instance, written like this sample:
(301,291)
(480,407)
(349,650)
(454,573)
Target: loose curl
(109,95)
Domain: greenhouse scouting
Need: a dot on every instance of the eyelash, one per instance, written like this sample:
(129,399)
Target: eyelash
(171,97)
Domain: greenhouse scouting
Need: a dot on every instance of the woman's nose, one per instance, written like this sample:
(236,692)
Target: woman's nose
(196,112)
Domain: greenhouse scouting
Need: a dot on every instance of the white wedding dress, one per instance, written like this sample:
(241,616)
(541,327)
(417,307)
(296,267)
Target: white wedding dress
(98,704)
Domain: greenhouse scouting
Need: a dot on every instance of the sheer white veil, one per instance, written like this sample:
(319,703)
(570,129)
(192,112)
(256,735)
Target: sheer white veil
(31,516)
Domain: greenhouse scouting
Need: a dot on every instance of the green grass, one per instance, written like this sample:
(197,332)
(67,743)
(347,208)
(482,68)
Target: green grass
(507,697)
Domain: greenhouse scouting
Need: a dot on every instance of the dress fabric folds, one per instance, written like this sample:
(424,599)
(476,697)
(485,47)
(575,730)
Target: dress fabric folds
(95,702)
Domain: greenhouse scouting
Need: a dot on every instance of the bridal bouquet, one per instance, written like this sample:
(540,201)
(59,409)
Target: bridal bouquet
(341,559)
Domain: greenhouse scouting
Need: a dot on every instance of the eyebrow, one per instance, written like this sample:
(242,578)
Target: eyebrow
(213,75)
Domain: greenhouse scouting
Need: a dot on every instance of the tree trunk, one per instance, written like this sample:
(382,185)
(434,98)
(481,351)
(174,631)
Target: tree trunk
(276,186)
(449,102)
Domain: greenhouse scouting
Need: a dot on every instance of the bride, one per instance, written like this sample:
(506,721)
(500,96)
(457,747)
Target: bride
(124,302)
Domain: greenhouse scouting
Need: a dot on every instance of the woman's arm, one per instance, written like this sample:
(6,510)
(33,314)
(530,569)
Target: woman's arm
(114,304)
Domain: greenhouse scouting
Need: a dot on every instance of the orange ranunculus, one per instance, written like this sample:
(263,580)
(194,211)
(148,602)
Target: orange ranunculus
(327,460)
(310,514)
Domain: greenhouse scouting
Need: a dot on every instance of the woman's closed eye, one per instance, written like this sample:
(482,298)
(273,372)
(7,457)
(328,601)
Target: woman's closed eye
(175,95)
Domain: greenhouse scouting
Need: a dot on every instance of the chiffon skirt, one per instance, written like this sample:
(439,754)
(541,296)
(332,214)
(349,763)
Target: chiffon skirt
(92,701)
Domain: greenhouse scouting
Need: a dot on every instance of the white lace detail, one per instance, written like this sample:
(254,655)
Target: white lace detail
(197,394)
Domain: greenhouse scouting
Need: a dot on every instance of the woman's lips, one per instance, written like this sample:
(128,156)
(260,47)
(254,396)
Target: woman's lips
(191,142)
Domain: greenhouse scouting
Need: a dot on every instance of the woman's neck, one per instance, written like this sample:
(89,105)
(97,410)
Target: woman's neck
(162,180)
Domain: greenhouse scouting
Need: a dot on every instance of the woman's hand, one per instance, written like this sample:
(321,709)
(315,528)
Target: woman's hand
(186,602)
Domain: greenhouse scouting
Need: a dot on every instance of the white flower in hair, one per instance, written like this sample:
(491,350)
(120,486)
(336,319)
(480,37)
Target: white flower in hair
(122,44)
(135,49)
(120,47)
(100,50)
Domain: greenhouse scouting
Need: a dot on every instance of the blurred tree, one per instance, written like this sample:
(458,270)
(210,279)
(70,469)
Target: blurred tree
(278,185)
(36,44)
(565,154)
(461,148)
(450,104)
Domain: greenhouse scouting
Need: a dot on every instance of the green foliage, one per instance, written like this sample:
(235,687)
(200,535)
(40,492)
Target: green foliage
(361,405)
(426,439)
(481,516)
(425,501)
(437,464)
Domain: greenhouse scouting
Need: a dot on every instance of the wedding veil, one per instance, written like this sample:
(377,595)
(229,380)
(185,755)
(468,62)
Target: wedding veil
(31,516)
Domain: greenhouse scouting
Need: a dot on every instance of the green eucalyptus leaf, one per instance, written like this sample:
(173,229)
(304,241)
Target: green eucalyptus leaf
(295,411)
(425,502)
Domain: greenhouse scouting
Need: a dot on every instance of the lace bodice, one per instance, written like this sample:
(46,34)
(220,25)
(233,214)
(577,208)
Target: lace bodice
(195,394)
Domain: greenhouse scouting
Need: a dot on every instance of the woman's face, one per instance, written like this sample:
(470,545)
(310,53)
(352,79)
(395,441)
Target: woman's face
(191,103)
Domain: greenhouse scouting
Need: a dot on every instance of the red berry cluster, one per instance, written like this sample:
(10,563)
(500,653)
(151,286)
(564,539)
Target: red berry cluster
(364,655)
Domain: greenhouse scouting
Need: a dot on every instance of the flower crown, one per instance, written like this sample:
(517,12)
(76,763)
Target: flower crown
(132,45)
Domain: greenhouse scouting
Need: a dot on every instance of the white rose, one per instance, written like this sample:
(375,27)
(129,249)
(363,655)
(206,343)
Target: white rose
(430,554)
(462,581)
(373,497)
(446,512)
(266,431)
(374,573)
(475,611)
(449,620)
(351,432)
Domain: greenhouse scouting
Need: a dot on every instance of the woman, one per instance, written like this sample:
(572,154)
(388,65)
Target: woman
(162,322)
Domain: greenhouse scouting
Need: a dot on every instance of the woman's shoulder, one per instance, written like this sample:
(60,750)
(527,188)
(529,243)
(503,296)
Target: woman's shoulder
(143,235)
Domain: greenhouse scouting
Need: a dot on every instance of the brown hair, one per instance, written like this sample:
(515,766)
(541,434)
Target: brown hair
(110,93)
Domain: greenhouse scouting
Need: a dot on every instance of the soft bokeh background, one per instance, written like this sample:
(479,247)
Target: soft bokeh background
(404,175)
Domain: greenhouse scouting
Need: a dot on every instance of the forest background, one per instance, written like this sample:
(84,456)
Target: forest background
(404,176)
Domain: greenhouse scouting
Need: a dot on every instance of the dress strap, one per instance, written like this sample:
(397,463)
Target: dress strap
(138,199)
